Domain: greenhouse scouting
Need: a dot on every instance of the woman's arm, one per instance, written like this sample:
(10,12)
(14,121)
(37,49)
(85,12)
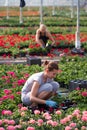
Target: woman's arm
(37,36)
(35,99)
(51,37)
(39,41)
(34,92)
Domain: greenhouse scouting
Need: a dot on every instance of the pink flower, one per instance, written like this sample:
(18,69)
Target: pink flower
(64,121)
(83,128)
(11,122)
(21,82)
(49,122)
(1,128)
(76,129)
(6,112)
(18,126)
(10,127)
(54,123)
(11,97)
(68,128)
(36,112)
(84,118)
(78,88)
(5,97)
(24,109)
(69,117)
(0,102)
(72,124)
(32,121)
(84,112)
(7,91)
(11,73)
(1,99)
(4,55)
(1,122)
(26,75)
(40,122)
(20,105)
(62,54)
(22,113)
(5,77)
(58,112)
(5,121)
(19,93)
(47,116)
(84,94)
(77,111)
(30,128)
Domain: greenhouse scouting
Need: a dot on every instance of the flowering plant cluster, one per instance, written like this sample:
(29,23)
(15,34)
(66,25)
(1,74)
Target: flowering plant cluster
(79,95)
(22,119)
(14,116)
(11,45)
(72,68)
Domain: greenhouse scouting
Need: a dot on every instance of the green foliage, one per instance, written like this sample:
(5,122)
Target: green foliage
(72,68)
(37,51)
(60,23)
(79,96)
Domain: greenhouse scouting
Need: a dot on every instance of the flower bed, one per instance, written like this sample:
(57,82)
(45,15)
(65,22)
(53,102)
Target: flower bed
(14,116)
(15,45)
(17,13)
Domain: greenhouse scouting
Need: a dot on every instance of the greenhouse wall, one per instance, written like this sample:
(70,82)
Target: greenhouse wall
(45,2)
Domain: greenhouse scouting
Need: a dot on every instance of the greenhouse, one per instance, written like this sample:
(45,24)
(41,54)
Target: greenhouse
(43,65)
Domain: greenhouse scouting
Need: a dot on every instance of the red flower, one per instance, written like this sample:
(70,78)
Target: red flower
(21,82)
(84,94)
(78,88)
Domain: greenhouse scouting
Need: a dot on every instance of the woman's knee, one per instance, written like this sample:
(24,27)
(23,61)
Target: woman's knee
(55,85)
(26,100)
(46,87)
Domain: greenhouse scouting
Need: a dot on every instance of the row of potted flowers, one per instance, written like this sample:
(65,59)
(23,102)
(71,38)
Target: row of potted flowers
(16,44)
(33,21)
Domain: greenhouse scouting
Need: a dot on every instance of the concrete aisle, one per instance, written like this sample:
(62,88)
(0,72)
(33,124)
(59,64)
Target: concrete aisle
(24,60)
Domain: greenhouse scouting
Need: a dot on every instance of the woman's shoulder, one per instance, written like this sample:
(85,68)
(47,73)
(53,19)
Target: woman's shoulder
(38,74)
(38,31)
(47,33)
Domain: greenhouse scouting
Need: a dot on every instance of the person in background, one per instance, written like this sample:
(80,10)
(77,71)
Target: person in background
(43,35)
(41,86)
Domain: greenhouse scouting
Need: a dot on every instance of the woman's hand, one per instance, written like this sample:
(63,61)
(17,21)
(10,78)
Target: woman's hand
(51,103)
(54,43)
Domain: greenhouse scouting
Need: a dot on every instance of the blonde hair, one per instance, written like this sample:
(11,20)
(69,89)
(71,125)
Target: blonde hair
(43,26)
(50,65)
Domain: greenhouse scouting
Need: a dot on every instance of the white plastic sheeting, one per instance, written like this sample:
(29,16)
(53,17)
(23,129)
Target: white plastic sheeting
(37,2)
